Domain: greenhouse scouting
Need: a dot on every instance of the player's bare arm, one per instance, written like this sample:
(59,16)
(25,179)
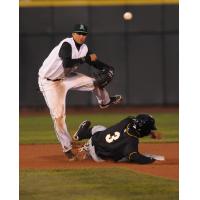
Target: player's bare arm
(93,57)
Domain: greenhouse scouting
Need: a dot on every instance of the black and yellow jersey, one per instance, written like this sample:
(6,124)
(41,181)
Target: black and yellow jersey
(116,143)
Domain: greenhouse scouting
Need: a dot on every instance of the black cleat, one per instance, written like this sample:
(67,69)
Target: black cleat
(83,131)
(117,99)
(69,154)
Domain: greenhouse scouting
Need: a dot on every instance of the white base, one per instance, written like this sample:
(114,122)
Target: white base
(156,157)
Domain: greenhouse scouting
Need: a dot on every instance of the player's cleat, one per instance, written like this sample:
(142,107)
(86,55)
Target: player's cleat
(69,154)
(83,131)
(117,99)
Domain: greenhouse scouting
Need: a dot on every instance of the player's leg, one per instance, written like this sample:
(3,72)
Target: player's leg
(102,96)
(82,82)
(86,132)
(54,94)
(83,132)
(104,99)
(88,152)
(97,128)
(78,81)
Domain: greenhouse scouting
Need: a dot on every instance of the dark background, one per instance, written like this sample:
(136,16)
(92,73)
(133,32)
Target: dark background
(143,51)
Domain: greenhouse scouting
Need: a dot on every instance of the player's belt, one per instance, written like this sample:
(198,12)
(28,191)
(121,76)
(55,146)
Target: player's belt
(54,79)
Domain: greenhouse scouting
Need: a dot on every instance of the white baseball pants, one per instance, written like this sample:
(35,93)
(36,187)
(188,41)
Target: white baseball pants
(55,92)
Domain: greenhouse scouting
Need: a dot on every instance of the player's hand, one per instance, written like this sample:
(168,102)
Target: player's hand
(93,57)
(90,58)
(156,135)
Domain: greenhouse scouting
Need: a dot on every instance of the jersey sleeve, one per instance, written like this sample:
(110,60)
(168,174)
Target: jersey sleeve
(136,157)
(65,54)
(132,154)
(99,64)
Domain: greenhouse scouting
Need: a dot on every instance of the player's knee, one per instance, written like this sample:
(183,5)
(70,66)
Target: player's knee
(98,128)
(59,119)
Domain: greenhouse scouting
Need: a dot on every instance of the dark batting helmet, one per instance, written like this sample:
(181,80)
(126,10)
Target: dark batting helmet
(144,124)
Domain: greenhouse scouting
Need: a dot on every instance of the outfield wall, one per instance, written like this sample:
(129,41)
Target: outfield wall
(144,51)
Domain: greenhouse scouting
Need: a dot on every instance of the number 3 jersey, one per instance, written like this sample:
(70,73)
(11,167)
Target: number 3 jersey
(115,143)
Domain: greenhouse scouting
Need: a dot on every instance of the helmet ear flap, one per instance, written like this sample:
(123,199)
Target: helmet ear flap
(140,124)
(136,127)
(132,128)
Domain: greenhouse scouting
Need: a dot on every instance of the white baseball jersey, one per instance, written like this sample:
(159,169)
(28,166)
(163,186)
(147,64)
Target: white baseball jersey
(52,67)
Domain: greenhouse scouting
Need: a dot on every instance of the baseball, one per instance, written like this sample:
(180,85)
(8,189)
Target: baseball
(127,16)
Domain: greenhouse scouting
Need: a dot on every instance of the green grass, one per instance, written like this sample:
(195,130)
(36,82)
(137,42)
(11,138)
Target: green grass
(94,184)
(39,129)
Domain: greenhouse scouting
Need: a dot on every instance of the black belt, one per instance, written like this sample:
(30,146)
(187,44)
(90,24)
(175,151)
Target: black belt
(54,79)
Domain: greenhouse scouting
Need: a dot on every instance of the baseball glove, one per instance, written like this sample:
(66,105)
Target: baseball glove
(103,77)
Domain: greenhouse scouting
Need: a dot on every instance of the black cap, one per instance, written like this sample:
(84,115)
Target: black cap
(80,28)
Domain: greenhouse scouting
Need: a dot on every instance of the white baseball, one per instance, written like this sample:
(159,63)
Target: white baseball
(127,16)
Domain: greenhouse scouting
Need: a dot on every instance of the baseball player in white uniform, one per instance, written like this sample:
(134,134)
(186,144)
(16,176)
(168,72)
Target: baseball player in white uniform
(58,74)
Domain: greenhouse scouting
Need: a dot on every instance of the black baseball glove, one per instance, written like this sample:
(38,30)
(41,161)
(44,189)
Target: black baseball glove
(103,77)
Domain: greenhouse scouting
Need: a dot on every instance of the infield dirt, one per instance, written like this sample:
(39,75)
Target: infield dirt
(50,156)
